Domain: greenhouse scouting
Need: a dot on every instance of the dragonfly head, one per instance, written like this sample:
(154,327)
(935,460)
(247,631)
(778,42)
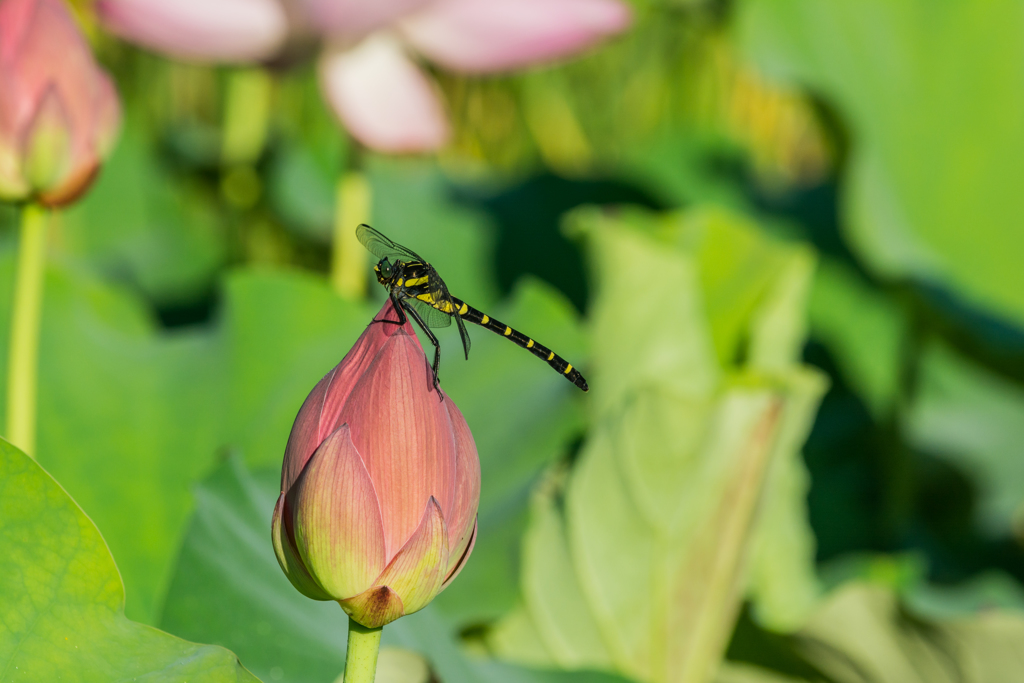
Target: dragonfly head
(385,271)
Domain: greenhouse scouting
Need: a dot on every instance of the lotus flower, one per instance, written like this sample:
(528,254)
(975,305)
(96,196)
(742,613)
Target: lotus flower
(58,110)
(380,483)
(368,71)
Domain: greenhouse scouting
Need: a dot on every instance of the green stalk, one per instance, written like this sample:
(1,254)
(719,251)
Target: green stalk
(361,658)
(348,257)
(246,115)
(247,108)
(23,353)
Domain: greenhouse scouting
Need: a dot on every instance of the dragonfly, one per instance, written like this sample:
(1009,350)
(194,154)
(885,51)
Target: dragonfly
(417,291)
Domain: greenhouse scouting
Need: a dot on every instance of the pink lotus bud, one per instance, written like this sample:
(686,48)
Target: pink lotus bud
(59,112)
(380,483)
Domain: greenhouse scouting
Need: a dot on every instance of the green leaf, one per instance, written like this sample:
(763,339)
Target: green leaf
(230,589)
(127,420)
(637,562)
(62,601)
(929,94)
(898,572)
(731,672)
(782,580)
(142,226)
(674,168)
(740,272)
(863,329)
(278,334)
(560,614)
(863,634)
(972,418)
(984,592)
(302,193)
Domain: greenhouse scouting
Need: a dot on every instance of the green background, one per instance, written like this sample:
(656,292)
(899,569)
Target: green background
(782,242)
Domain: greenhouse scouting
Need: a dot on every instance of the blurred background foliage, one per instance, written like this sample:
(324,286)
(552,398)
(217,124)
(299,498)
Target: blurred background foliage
(783,241)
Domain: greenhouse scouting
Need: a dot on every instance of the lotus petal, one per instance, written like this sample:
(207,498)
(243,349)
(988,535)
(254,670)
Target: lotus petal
(215,30)
(338,529)
(477,36)
(384,99)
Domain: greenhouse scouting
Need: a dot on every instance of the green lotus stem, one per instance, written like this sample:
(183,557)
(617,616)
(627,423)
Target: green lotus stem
(555,126)
(348,257)
(361,658)
(246,116)
(23,353)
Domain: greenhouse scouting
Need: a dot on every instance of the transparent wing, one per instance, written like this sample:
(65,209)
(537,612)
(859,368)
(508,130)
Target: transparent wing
(381,247)
(431,316)
(439,291)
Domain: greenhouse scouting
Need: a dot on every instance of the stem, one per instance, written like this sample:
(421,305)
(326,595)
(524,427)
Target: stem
(348,258)
(555,127)
(245,126)
(246,116)
(23,353)
(361,658)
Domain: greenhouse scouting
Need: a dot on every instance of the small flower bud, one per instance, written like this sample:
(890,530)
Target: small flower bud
(59,112)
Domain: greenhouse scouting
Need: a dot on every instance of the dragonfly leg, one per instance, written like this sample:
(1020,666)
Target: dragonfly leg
(430,335)
(399,309)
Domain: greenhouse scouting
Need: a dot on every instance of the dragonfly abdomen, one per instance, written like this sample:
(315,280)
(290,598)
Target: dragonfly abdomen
(560,365)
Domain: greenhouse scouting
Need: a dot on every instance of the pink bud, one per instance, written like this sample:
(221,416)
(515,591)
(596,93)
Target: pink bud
(380,483)
(59,112)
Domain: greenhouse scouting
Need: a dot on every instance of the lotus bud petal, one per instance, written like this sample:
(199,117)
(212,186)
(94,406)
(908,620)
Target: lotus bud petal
(380,483)
(47,145)
(59,112)
(334,499)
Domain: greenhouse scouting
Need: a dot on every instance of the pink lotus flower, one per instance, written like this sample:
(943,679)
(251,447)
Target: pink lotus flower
(59,112)
(380,483)
(368,71)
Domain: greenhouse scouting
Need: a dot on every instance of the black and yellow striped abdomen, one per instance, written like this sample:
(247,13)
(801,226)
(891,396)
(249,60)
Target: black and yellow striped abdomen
(563,367)
(418,280)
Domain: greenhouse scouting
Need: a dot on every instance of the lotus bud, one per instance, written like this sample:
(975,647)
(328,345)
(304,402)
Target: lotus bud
(380,483)
(59,111)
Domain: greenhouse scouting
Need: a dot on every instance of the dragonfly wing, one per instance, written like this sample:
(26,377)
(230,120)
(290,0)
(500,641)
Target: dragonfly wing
(439,291)
(431,316)
(381,247)
(466,341)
